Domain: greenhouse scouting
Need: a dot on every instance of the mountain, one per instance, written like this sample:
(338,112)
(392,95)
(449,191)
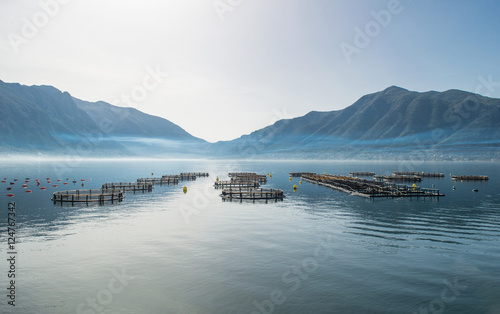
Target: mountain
(42,119)
(391,123)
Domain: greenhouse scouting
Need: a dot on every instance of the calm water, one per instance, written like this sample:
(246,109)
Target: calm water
(318,251)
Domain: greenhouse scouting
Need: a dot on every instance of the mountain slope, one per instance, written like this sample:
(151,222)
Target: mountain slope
(391,120)
(119,121)
(42,119)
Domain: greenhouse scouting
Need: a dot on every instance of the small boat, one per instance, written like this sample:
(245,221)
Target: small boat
(475,190)
(10,195)
(43,188)
(28,191)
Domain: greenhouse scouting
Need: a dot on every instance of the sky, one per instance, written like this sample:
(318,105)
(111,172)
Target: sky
(224,68)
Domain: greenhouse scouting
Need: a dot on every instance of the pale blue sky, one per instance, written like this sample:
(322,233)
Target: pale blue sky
(252,62)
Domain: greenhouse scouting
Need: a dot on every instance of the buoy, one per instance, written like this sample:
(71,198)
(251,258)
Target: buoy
(65,183)
(10,195)
(414,186)
(217,179)
(270,175)
(28,191)
(16,180)
(48,179)
(27,181)
(290,178)
(453,187)
(185,189)
(82,180)
(43,188)
(9,188)
(12,183)
(295,187)
(300,182)
(59,180)
(74,181)
(83,184)
(49,182)
(54,185)
(3,181)
(324,173)
(152,173)
(25,185)
(475,190)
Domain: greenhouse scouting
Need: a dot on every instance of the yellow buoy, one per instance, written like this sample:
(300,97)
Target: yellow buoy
(414,186)
(295,187)
(83,184)
(185,189)
(300,181)
(270,175)
(290,178)
(152,173)
(324,173)
(217,179)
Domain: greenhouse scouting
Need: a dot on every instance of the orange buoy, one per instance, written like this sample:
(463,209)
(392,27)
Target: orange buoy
(65,183)
(28,191)
(59,180)
(43,188)
(83,184)
(10,195)
(54,185)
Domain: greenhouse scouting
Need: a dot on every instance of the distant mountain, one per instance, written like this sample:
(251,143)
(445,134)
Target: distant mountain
(42,119)
(391,123)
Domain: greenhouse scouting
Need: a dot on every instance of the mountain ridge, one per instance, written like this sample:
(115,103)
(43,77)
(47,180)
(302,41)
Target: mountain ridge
(391,123)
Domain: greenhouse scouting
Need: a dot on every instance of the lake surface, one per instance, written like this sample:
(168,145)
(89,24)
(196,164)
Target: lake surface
(317,251)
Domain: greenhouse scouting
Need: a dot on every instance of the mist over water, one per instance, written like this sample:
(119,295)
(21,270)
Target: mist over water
(317,251)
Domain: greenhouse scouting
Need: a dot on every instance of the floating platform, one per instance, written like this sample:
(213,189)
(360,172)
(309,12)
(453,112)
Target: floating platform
(100,196)
(300,174)
(400,178)
(370,188)
(252,194)
(469,178)
(160,181)
(261,178)
(236,184)
(362,174)
(187,177)
(237,174)
(197,174)
(129,186)
(420,174)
